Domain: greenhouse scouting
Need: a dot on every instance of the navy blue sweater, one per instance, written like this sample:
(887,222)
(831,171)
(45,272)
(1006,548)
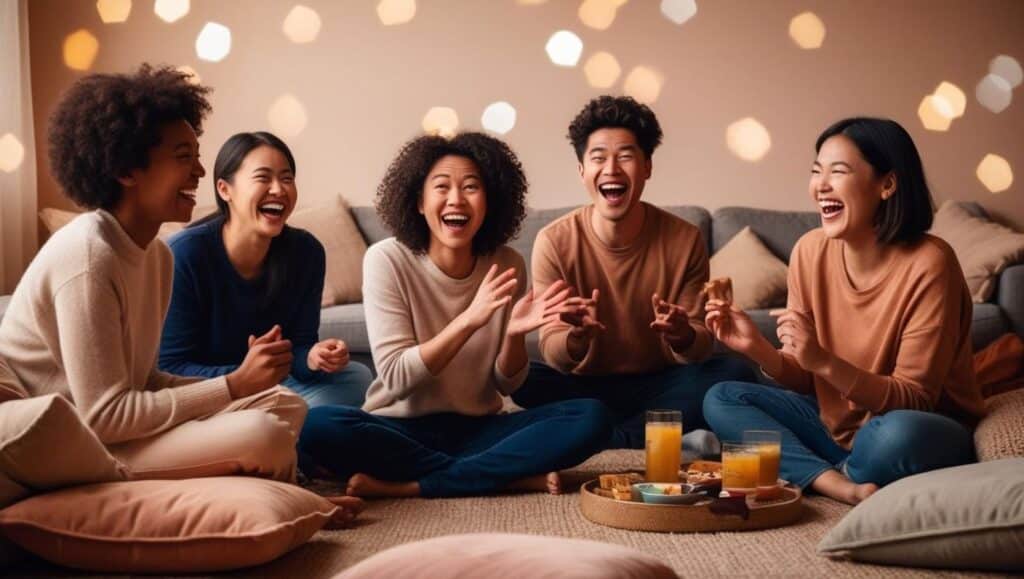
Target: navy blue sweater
(214,310)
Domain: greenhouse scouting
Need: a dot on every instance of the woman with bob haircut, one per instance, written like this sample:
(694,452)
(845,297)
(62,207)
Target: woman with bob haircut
(447,313)
(876,362)
(230,278)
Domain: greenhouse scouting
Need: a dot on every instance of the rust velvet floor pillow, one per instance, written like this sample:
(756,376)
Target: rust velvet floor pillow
(184,526)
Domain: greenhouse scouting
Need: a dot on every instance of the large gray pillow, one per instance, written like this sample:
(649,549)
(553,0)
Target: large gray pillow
(965,517)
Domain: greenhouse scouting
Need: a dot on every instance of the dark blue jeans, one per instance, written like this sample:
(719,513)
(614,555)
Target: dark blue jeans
(629,396)
(888,447)
(454,455)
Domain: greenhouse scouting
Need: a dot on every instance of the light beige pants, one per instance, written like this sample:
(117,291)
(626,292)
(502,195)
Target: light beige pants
(252,436)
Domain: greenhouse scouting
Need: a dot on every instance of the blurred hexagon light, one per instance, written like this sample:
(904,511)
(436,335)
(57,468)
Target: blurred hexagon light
(936,113)
(1008,69)
(807,30)
(995,173)
(443,121)
(602,70)
(599,14)
(644,84)
(171,11)
(564,48)
(214,42)
(302,25)
(953,96)
(80,50)
(994,93)
(395,12)
(499,117)
(12,153)
(748,139)
(114,11)
(679,11)
(287,116)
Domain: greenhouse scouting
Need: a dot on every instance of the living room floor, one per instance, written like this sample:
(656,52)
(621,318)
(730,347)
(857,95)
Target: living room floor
(787,551)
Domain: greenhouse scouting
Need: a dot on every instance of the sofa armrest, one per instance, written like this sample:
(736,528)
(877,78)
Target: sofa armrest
(1010,296)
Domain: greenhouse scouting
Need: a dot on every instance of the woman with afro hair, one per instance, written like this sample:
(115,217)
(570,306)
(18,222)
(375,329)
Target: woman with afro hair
(85,319)
(447,312)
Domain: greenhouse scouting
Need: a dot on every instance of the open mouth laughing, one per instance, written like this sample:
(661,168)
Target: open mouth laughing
(455,222)
(614,193)
(830,208)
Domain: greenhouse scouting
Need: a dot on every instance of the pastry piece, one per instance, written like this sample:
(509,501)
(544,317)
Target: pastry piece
(622,494)
(719,288)
(620,480)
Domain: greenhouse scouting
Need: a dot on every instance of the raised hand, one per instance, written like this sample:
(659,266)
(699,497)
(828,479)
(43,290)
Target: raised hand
(732,326)
(266,364)
(672,322)
(581,314)
(495,292)
(799,339)
(529,313)
(330,355)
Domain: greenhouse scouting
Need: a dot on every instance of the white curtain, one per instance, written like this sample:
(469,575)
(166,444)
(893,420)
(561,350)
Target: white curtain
(17,188)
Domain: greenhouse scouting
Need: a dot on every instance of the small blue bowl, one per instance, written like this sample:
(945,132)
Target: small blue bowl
(654,493)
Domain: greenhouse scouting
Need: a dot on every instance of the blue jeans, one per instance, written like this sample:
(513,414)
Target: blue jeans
(629,396)
(453,455)
(346,387)
(888,447)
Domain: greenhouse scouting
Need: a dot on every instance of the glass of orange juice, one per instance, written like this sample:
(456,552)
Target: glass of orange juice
(664,435)
(741,466)
(769,447)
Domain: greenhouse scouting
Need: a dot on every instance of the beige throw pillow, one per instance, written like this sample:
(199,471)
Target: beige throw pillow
(173,526)
(983,248)
(758,277)
(965,517)
(334,227)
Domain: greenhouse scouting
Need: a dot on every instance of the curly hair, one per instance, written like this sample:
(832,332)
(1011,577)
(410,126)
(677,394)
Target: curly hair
(615,112)
(504,183)
(106,125)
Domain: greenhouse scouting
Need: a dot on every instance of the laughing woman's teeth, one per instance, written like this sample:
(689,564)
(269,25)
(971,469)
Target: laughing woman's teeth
(830,206)
(276,209)
(455,219)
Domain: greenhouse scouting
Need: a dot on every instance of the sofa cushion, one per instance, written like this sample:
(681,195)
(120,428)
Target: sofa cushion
(1000,434)
(965,517)
(758,277)
(346,322)
(370,224)
(185,526)
(334,227)
(510,556)
(779,230)
(987,324)
(984,248)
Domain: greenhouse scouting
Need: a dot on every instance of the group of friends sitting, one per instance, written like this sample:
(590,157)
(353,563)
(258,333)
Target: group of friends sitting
(201,357)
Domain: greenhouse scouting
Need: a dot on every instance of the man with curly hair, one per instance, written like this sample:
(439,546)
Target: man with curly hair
(635,338)
(85,319)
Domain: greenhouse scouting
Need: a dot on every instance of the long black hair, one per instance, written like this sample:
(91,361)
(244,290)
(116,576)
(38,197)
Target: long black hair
(229,159)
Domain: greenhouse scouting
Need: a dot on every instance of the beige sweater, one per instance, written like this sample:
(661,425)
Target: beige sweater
(908,336)
(409,300)
(85,321)
(669,258)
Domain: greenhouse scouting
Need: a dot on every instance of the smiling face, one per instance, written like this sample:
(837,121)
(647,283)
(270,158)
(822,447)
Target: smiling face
(166,189)
(262,193)
(453,202)
(846,190)
(614,170)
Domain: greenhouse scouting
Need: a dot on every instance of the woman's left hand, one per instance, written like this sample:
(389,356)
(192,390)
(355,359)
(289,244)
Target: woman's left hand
(530,313)
(330,355)
(799,339)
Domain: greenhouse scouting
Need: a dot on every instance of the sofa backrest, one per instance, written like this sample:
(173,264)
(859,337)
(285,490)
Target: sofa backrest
(779,230)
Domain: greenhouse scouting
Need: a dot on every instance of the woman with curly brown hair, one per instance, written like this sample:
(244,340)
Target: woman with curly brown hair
(85,320)
(447,313)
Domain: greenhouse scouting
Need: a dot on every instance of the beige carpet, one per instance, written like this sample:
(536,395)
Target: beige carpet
(788,551)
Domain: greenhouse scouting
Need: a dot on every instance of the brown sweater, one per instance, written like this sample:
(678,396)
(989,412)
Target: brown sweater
(669,258)
(908,336)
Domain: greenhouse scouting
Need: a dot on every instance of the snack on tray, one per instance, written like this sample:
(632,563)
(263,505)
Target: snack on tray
(719,288)
(621,480)
(622,494)
(702,471)
(673,490)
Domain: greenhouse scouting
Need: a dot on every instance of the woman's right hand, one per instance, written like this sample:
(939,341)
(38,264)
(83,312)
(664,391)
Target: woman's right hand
(732,327)
(266,364)
(494,293)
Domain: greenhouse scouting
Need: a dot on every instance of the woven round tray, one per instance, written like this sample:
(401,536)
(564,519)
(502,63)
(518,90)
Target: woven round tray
(706,516)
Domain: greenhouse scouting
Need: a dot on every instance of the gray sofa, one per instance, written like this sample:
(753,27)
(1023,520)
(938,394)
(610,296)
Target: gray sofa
(779,230)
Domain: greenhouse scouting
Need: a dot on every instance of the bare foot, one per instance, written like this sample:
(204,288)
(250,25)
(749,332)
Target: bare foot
(348,509)
(364,485)
(551,482)
(834,484)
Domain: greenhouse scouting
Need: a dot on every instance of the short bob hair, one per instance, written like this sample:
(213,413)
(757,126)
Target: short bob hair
(904,217)
(504,183)
(623,112)
(106,125)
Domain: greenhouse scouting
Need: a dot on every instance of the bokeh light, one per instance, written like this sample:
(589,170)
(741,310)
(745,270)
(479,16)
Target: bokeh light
(599,14)
(443,121)
(564,48)
(530,2)
(394,12)
(679,11)
(499,117)
(302,25)
(213,42)
(994,93)
(643,84)
(748,139)
(807,30)
(602,70)
(114,11)
(1007,68)
(80,49)
(171,10)
(995,173)
(287,116)
(193,76)
(936,113)
(12,153)
(954,97)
